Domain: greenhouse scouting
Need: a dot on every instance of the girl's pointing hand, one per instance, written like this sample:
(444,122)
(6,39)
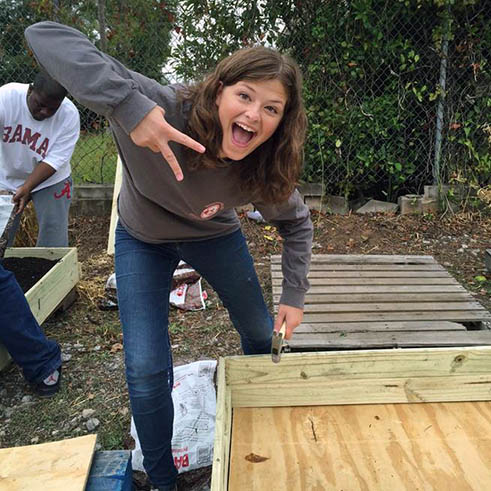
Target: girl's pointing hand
(155,133)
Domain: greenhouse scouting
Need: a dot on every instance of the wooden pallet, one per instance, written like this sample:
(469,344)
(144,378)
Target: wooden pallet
(368,301)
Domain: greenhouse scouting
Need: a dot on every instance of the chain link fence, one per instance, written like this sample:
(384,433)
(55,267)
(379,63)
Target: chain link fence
(397,93)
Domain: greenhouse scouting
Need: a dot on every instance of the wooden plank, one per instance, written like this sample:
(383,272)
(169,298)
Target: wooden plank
(394,307)
(370,274)
(314,266)
(57,466)
(365,259)
(365,391)
(380,326)
(52,288)
(404,446)
(51,253)
(300,368)
(320,298)
(452,316)
(352,340)
(118,179)
(223,431)
(456,288)
(377,281)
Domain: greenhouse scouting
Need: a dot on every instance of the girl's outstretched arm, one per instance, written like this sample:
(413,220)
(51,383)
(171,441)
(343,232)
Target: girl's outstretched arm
(104,85)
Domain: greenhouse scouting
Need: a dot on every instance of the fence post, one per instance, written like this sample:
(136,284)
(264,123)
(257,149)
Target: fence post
(101,15)
(56,8)
(441,100)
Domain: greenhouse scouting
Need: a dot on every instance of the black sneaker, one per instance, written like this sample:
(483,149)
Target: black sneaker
(49,386)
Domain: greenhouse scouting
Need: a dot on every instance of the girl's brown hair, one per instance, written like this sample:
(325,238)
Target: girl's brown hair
(272,170)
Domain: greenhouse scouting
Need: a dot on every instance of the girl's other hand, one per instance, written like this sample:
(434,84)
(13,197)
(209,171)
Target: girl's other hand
(155,132)
(291,315)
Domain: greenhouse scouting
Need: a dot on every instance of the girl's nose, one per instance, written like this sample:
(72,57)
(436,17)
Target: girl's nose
(252,113)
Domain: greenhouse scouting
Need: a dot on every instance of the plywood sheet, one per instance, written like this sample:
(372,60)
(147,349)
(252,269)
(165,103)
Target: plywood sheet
(383,447)
(57,466)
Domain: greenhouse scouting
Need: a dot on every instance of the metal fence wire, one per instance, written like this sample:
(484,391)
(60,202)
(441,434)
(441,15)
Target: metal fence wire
(397,93)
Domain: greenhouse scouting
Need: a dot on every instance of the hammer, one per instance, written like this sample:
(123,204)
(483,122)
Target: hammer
(277,343)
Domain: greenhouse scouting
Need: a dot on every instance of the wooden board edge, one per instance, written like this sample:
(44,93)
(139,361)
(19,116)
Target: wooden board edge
(365,391)
(114,207)
(345,365)
(67,269)
(87,474)
(223,431)
(51,253)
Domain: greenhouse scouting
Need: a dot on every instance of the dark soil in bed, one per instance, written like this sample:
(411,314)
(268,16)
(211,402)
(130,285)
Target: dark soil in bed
(28,270)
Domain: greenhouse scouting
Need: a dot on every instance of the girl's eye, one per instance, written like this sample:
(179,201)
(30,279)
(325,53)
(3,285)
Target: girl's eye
(272,109)
(244,96)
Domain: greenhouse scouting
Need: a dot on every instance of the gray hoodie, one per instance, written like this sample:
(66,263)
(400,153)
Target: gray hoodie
(153,206)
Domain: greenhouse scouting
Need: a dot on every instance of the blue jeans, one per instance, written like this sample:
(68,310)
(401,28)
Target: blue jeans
(20,333)
(144,277)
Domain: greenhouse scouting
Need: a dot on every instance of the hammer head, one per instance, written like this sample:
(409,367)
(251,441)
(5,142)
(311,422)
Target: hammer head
(277,343)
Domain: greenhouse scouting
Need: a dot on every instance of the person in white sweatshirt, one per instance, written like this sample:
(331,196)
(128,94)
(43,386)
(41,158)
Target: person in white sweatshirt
(39,129)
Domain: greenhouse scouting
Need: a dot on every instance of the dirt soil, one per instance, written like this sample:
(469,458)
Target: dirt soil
(93,397)
(28,270)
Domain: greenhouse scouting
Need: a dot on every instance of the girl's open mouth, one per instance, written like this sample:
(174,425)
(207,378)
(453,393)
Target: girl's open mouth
(242,135)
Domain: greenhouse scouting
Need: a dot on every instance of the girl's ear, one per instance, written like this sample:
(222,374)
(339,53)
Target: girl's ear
(219,93)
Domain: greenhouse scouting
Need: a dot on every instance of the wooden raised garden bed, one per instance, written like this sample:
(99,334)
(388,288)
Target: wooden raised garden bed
(412,418)
(48,293)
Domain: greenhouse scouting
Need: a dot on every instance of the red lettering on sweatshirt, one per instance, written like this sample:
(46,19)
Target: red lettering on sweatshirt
(29,139)
(43,149)
(6,133)
(26,137)
(17,136)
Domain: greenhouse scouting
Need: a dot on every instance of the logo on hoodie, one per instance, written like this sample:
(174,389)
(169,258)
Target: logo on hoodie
(211,210)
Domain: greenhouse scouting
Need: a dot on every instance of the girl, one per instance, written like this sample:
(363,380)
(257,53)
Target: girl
(177,201)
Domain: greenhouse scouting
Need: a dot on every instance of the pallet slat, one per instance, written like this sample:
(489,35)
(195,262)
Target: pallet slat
(394,307)
(380,326)
(321,298)
(314,266)
(369,340)
(365,259)
(454,315)
(377,281)
(371,274)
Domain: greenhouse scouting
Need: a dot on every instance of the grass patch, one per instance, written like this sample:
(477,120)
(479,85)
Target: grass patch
(94,159)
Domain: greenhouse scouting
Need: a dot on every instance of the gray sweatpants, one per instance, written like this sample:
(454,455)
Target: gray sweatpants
(52,205)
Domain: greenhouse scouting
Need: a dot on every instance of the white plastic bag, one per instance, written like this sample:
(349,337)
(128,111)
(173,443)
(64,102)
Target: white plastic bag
(194,418)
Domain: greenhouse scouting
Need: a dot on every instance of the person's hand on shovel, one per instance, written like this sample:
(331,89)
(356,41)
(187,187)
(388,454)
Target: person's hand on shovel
(22,195)
(155,133)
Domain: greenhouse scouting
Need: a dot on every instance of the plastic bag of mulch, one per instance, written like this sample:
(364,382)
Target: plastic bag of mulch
(110,301)
(186,293)
(194,400)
